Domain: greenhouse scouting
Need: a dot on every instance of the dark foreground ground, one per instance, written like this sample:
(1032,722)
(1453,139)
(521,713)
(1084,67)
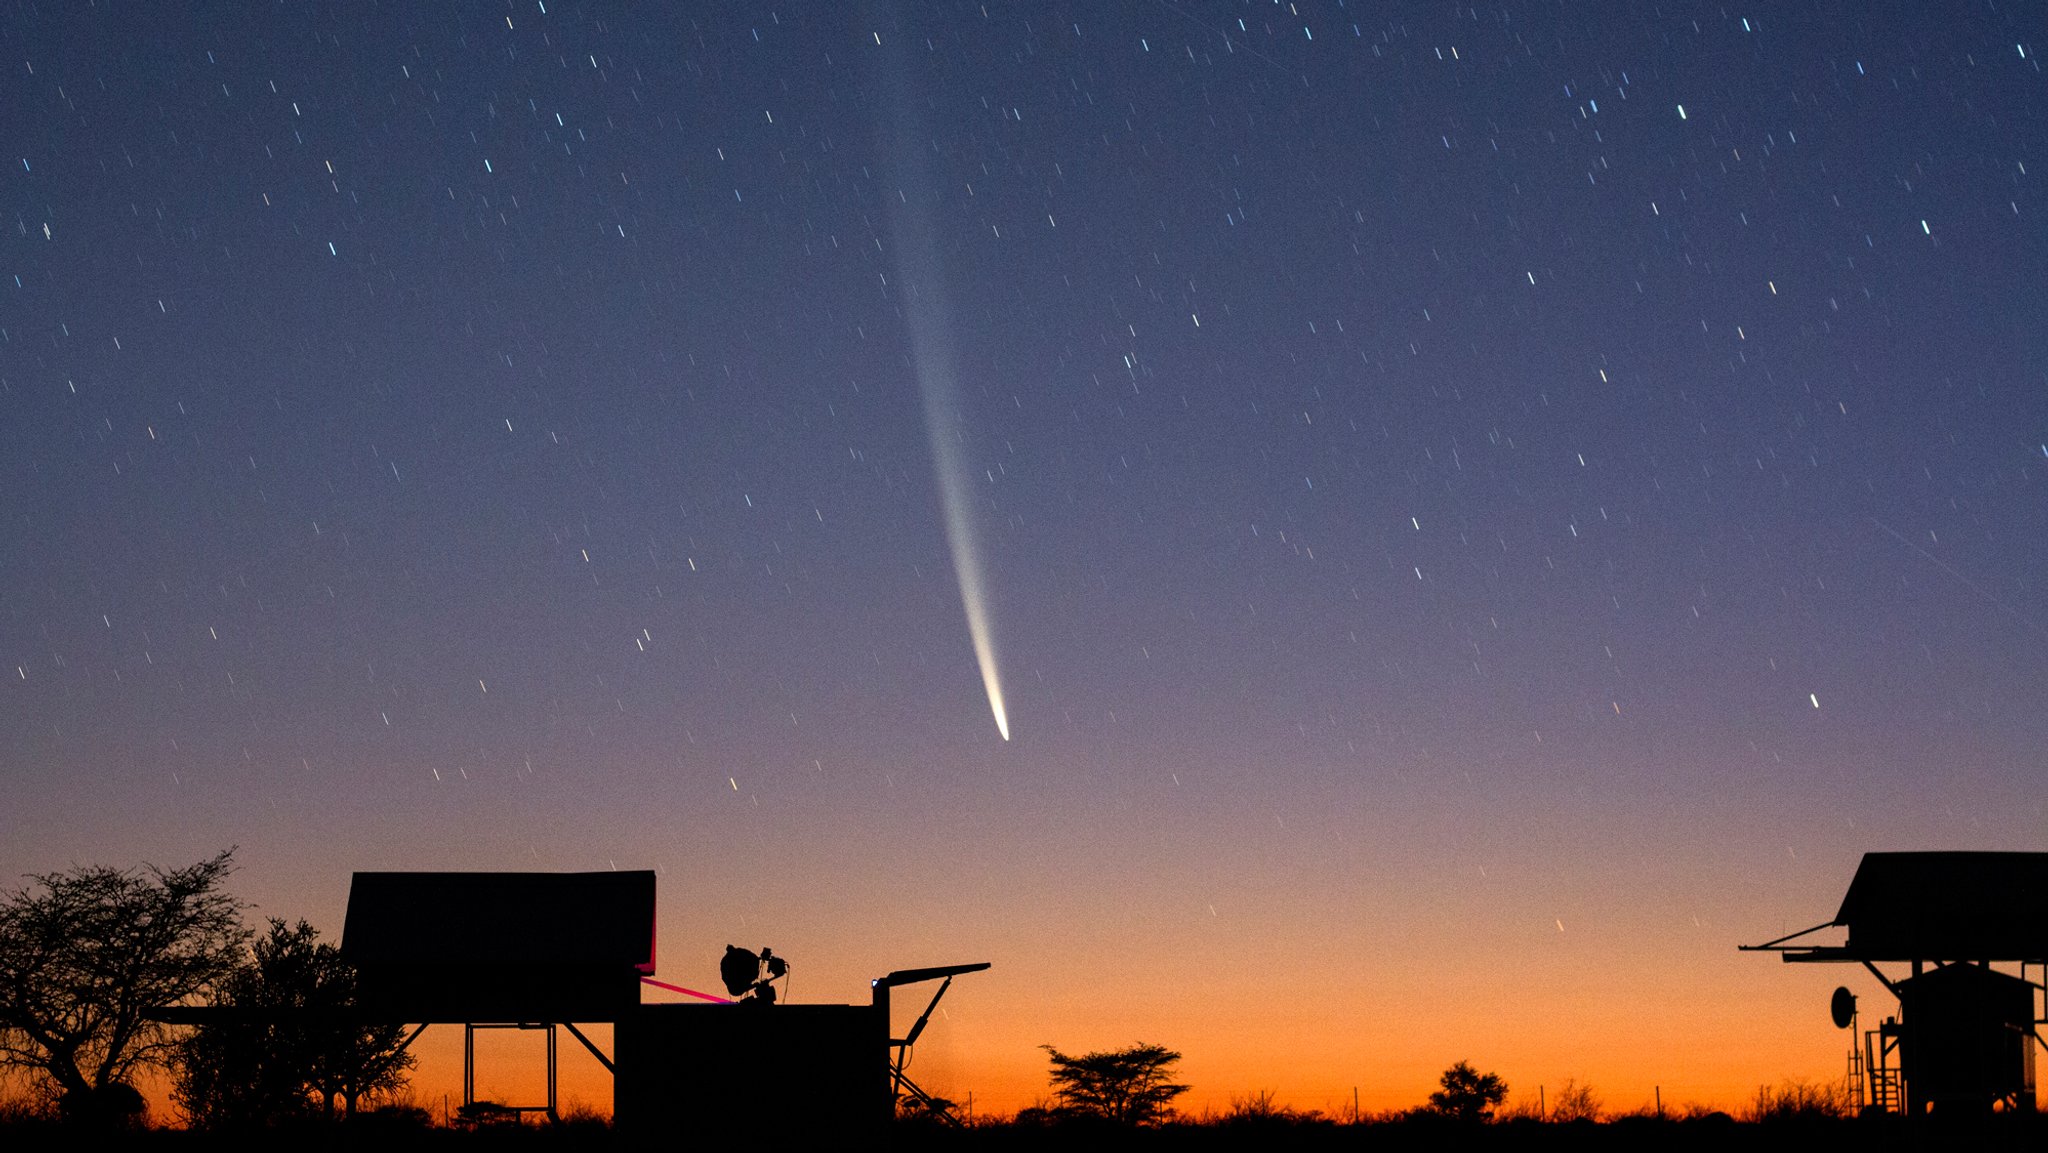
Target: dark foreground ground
(2016,1132)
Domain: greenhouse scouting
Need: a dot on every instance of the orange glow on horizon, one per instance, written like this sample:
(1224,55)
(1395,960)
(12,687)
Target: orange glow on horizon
(1392,945)
(1711,1045)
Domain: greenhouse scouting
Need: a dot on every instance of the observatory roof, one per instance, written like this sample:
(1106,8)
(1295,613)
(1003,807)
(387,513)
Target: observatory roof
(1949,906)
(499,946)
(463,920)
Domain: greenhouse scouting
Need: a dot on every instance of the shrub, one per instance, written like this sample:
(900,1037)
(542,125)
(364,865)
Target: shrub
(1467,1094)
(1575,1102)
(1260,1108)
(1796,1101)
(1526,1109)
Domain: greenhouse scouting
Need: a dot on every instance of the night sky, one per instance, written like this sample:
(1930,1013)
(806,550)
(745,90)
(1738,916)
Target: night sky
(1474,512)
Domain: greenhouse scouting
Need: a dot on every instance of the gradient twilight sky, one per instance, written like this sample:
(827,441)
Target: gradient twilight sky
(1481,510)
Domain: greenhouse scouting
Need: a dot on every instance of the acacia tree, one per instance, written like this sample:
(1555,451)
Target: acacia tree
(86,956)
(1468,1094)
(1127,1086)
(285,1041)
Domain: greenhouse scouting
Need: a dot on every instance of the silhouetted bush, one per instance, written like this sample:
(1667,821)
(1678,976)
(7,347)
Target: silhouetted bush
(921,1111)
(1261,1110)
(1527,1108)
(1467,1094)
(585,1118)
(393,1119)
(486,1115)
(1033,1117)
(110,1106)
(1799,1101)
(23,1110)
(1575,1102)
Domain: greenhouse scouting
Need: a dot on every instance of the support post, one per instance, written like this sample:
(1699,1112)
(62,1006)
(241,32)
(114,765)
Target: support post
(594,1050)
(553,1114)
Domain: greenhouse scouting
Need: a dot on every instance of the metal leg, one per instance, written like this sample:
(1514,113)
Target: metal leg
(553,1114)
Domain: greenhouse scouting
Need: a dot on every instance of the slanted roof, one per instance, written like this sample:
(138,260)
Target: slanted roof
(501,919)
(1949,906)
(500,946)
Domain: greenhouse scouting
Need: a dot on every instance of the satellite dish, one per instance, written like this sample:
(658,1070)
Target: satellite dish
(1842,1007)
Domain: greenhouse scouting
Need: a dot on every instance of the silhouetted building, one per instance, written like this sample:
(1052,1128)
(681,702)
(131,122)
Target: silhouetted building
(529,951)
(1968,1035)
(542,951)
(787,1071)
(1964,1036)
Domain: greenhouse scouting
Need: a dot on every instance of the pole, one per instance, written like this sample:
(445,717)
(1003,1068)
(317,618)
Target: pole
(1660,1102)
(1354,1104)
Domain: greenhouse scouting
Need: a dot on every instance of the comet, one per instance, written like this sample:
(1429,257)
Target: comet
(920,274)
(932,359)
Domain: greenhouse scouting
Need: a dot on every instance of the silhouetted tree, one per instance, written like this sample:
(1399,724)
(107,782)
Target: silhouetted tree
(1467,1094)
(287,1044)
(1127,1086)
(86,955)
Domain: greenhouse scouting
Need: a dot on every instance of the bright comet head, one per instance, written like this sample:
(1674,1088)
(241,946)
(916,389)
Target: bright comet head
(967,562)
